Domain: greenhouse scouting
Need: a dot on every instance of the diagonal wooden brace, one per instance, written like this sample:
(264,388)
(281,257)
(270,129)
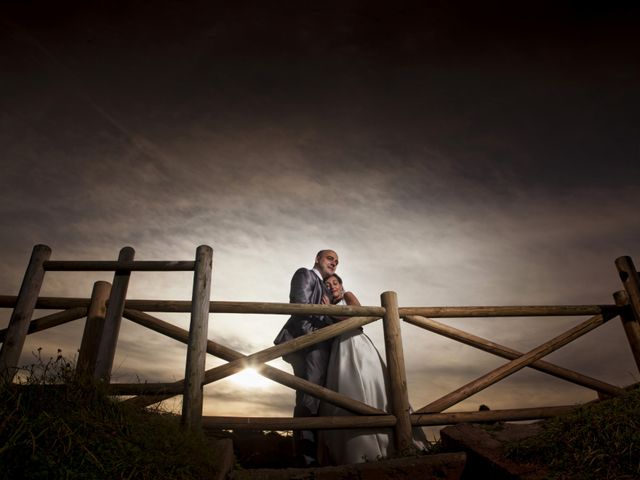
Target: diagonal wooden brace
(285,348)
(511,354)
(229,354)
(504,371)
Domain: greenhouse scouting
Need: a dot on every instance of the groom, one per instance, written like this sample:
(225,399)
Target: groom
(307,286)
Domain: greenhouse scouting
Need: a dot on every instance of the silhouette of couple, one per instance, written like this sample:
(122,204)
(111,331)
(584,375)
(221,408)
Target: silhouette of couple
(349,364)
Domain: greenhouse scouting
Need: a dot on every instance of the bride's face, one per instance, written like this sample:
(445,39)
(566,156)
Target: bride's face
(337,292)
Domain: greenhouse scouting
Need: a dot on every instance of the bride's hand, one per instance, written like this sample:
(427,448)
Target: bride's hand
(325,300)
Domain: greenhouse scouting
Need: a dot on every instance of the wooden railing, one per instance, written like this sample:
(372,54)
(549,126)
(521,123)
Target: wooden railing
(108,305)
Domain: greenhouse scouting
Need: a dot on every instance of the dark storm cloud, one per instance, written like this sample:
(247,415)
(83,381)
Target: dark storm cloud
(459,155)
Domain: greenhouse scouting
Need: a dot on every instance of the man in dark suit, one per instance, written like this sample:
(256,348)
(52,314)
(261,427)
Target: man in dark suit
(307,286)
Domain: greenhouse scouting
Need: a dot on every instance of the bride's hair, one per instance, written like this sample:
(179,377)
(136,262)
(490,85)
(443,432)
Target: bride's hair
(337,276)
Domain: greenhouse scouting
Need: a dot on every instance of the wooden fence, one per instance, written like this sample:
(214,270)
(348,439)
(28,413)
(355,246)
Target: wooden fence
(108,305)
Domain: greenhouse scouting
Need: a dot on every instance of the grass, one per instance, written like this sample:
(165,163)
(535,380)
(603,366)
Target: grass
(55,426)
(598,441)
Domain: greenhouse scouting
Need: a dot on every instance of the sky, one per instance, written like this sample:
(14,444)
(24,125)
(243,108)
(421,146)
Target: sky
(459,155)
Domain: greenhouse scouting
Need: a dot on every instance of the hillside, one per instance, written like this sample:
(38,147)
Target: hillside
(53,426)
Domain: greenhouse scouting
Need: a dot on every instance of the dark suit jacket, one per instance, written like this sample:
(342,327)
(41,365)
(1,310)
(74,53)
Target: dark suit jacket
(306,287)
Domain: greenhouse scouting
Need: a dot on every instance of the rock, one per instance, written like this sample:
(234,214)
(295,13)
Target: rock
(445,466)
(484,446)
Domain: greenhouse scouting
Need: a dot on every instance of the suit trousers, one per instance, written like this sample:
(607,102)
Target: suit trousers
(310,364)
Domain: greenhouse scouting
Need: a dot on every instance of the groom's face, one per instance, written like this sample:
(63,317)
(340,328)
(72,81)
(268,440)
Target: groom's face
(326,263)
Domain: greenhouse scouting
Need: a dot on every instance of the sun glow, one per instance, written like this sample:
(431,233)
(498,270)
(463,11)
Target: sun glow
(249,378)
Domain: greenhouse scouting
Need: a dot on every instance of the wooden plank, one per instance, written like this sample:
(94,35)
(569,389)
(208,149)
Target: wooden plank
(277,351)
(629,277)
(511,354)
(398,393)
(192,401)
(256,307)
(513,366)
(21,317)
(130,266)
(630,324)
(184,306)
(47,303)
(228,354)
(511,415)
(270,308)
(93,328)
(515,311)
(424,420)
(50,321)
(113,319)
(298,423)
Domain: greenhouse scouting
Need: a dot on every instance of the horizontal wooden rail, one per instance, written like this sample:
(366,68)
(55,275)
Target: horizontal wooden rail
(525,311)
(184,306)
(106,266)
(229,354)
(452,418)
(382,421)
(171,306)
(48,303)
(511,354)
(298,423)
(50,321)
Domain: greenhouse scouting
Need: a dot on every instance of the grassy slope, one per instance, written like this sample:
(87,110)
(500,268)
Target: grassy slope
(71,431)
(598,441)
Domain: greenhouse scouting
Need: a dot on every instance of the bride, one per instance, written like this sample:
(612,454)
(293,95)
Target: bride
(357,370)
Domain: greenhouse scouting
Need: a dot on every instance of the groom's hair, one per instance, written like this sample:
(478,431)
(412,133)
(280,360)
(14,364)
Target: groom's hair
(322,252)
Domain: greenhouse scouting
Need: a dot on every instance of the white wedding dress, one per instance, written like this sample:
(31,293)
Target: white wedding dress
(357,370)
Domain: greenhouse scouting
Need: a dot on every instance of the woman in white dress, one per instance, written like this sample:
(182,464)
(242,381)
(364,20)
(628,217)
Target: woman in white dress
(357,370)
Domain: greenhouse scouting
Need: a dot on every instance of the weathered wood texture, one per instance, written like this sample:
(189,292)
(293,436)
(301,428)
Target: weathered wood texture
(523,311)
(629,277)
(630,324)
(510,415)
(511,354)
(398,393)
(50,321)
(383,421)
(298,423)
(21,317)
(229,354)
(285,348)
(112,266)
(197,343)
(96,314)
(513,366)
(113,319)
(184,306)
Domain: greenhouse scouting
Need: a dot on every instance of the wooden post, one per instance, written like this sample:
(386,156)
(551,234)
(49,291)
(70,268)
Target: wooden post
(197,343)
(113,318)
(22,313)
(629,276)
(397,377)
(630,324)
(93,328)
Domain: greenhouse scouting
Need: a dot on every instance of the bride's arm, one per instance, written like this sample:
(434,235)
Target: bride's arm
(351,299)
